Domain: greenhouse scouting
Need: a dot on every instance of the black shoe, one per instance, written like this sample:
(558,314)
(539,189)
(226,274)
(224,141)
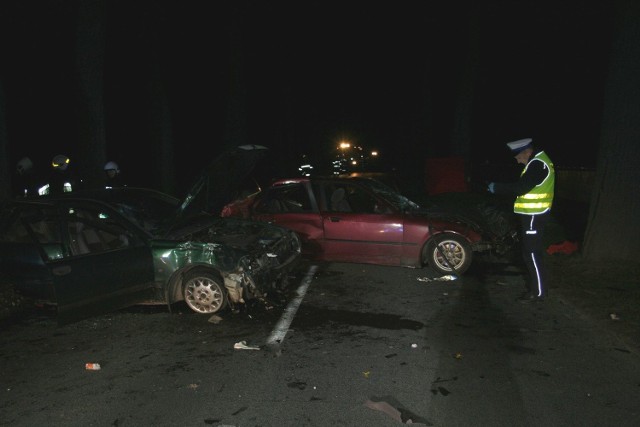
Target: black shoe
(529,297)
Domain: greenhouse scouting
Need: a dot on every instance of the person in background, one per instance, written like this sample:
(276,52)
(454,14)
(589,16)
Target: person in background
(61,179)
(26,181)
(112,175)
(534,192)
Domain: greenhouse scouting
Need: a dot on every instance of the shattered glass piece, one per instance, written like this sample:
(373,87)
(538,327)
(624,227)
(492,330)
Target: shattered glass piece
(215,319)
(446,278)
(242,345)
(390,406)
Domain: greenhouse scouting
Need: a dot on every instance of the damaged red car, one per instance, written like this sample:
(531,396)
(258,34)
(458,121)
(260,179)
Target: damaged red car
(361,220)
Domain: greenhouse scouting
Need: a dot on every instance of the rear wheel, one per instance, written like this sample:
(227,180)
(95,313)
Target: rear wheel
(204,292)
(452,254)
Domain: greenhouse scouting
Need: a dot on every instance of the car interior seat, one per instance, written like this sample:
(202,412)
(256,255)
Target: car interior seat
(339,202)
(79,245)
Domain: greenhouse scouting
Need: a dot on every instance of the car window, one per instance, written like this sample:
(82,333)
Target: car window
(150,210)
(285,198)
(92,231)
(15,231)
(359,200)
(394,198)
(35,224)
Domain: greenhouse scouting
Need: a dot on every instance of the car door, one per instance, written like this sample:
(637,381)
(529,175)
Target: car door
(108,265)
(359,227)
(293,206)
(28,237)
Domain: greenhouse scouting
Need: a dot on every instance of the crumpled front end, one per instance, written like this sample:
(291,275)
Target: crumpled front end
(270,252)
(250,258)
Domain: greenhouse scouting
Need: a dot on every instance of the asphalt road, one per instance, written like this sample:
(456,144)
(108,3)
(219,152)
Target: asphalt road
(352,345)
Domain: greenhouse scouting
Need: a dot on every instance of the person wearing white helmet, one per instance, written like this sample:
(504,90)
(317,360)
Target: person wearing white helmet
(112,175)
(26,183)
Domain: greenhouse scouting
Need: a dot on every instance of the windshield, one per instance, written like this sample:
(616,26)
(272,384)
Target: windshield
(392,196)
(152,211)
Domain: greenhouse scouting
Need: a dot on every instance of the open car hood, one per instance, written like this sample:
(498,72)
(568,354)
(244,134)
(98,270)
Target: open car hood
(220,182)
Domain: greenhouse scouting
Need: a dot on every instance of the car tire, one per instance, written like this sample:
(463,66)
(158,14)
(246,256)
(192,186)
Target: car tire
(456,249)
(204,292)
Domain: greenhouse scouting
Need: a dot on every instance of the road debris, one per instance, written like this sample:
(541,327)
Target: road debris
(242,345)
(395,410)
(215,319)
(366,374)
(92,366)
(414,345)
(446,278)
(614,316)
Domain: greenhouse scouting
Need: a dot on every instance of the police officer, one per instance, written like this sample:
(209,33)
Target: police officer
(534,192)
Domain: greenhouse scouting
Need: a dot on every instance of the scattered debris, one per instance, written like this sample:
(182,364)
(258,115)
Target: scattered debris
(300,385)
(414,345)
(215,319)
(614,316)
(458,356)
(192,386)
(395,410)
(366,374)
(242,345)
(565,247)
(443,391)
(448,277)
(92,366)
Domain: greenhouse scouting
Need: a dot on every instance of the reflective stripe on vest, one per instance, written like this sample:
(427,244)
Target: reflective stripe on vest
(540,198)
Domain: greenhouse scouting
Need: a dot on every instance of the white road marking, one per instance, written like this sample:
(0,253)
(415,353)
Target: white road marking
(281,329)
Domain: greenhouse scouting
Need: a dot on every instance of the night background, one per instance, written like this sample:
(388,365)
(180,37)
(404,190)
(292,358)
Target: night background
(388,77)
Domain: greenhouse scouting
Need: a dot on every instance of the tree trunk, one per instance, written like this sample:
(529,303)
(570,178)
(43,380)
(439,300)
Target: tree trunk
(5,168)
(613,229)
(90,47)
(161,132)
(236,123)
(463,114)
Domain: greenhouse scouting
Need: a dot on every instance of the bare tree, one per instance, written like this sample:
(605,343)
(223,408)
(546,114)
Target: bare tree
(236,123)
(613,229)
(5,178)
(161,131)
(159,110)
(90,47)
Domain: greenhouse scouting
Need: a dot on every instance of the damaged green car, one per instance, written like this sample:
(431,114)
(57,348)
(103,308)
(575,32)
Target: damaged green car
(97,251)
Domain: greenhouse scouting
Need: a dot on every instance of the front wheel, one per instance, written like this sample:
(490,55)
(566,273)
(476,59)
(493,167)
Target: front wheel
(204,293)
(452,253)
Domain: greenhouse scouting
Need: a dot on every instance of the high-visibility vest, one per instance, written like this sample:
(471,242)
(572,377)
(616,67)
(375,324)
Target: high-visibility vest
(540,198)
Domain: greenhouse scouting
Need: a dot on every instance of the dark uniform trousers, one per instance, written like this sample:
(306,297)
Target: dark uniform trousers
(532,228)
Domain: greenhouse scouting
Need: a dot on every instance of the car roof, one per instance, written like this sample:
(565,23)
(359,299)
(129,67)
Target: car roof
(321,178)
(99,194)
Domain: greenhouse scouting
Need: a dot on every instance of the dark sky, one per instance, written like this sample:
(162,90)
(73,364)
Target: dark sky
(314,72)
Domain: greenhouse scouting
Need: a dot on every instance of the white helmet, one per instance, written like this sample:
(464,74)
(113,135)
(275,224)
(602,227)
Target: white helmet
(111,166)
(24,165)
(60,162)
